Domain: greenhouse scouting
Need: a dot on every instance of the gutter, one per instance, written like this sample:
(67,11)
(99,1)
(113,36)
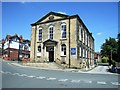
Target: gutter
(35,43)
(69,42)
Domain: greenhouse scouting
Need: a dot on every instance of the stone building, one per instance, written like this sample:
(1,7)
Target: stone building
(62,39)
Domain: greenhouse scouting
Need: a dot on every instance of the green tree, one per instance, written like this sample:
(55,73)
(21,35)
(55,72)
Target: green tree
(110,46)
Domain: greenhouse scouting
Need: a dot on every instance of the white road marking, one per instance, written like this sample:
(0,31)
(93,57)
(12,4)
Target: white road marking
(24,75)
(1,72)
(20,75)
(31,76)
(75,81)
(115,83)
(63,80)
(40,77)
(88,81)
(7,73)
(15,74)
(51,78)
(8,63)
(101,82)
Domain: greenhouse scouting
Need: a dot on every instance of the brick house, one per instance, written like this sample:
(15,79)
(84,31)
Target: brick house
(97,57)
(62,39)
(16,48)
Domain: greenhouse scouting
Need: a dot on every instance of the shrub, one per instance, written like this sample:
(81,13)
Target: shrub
(104,60)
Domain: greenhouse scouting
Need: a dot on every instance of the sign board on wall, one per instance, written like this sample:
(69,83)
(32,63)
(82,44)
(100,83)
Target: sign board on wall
(73,51)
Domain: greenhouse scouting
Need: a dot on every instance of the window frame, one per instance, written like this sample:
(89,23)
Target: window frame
(86,55)
(80,51)
(83,32)
(38,49)
(40,33)
(49,32)
(63,50)
(80,33)
(83,52)
(25,47)
(63,28)
(39,52)
(21,46)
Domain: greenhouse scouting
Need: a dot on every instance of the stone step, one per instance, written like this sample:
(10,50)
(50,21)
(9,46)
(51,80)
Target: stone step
(45,65)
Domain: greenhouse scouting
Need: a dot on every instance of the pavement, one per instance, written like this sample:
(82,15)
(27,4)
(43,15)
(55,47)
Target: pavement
(52,66)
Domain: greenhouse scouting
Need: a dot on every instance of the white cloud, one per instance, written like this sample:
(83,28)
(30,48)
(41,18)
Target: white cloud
(99,33)
(62,12)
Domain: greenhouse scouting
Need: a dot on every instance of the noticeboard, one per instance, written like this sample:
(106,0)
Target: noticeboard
(73,51)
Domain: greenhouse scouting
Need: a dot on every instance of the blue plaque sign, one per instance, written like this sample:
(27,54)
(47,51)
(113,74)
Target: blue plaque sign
(73,51)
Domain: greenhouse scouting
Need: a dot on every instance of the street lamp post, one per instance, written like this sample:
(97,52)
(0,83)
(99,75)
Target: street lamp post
(19,53)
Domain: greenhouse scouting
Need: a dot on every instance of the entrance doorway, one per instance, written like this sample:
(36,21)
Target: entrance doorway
(51,56)
(50,50)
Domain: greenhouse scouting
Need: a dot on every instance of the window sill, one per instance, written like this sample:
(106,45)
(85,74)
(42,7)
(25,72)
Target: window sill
(63,55)
(38,54)
(39,41)
(63,39)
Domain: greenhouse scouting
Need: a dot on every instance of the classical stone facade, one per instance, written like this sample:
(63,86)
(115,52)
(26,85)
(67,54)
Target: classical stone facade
(62,39)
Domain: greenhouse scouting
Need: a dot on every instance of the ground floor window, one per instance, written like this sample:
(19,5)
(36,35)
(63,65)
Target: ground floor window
(83,52)
(26,56)
(39,48)
(80,51)
(63,50)
(39,51)
(86,53)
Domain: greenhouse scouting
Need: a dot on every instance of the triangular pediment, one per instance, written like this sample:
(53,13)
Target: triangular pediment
(51,16)
(49,41)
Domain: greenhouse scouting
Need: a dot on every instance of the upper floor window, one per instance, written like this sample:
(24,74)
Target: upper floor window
(86,38)
(14,39)
(83,36)
(63,50)
(88,41)
(40,34)
(80,51)
(63,30)
(10,41)
(86,53)
(80,31)
(25,47)
(51,32)
(21,46)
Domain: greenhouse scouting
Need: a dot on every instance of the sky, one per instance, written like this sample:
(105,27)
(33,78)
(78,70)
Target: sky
(101,18)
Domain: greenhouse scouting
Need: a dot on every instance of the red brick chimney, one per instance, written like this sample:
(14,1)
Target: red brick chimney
(8,37)
(21,38)
(15,34)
